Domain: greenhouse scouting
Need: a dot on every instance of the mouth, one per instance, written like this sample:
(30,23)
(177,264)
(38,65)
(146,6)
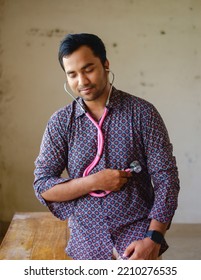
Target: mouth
(86,90)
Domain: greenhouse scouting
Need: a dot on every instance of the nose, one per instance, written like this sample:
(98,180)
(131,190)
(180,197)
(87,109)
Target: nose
(83,80)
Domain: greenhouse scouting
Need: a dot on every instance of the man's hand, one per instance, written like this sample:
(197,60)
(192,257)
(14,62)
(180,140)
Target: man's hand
(145,249)
(110,179)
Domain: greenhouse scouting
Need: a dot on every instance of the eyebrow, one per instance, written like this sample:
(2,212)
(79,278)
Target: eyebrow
(83,68)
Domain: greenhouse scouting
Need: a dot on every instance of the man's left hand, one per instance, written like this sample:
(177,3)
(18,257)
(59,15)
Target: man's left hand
(145,249)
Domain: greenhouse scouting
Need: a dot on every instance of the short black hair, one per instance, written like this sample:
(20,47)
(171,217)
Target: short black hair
(72,42)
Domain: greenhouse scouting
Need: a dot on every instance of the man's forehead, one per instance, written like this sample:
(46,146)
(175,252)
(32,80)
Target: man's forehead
(83,51)
(80,58)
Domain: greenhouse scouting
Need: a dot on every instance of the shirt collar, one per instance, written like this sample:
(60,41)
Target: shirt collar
(78,110)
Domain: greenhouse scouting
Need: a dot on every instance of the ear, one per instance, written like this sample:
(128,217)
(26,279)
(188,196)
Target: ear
(106,65)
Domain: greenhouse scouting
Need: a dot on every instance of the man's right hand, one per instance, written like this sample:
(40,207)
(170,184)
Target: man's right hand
(110,179)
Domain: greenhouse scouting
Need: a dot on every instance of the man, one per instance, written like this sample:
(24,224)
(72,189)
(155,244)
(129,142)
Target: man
(131,220)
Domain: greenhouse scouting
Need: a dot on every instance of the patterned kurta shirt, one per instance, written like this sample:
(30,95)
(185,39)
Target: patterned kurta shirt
(133,130)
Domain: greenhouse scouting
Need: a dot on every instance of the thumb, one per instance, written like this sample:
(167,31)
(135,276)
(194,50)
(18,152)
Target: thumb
(129,250)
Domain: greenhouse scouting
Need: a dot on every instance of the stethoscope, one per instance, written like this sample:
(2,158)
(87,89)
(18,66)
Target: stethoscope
(134,166)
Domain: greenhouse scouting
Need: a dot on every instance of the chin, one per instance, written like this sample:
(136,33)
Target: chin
(89,97)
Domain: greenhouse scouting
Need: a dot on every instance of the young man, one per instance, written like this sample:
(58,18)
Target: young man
(131,220)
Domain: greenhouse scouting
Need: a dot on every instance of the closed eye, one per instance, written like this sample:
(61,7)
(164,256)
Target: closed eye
(89,69)
(71,75)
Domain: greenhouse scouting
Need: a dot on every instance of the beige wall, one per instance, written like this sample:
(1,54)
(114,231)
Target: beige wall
(154,48)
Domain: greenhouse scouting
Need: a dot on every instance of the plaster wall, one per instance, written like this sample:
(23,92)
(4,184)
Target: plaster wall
(154,49)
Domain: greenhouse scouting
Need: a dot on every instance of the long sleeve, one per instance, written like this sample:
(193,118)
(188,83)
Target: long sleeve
(51,162)
(161,166)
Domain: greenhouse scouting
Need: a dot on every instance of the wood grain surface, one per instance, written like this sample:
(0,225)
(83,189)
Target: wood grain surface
(35,236)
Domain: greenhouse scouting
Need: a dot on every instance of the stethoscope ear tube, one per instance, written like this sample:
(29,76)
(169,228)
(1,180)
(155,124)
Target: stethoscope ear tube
(73,97)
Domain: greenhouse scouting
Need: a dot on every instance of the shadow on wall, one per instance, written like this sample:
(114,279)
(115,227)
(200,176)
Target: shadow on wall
(3,228)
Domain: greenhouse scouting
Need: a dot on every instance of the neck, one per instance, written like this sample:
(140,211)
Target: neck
(96,107)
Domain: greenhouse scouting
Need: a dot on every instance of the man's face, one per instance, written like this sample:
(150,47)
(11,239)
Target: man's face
(85,74)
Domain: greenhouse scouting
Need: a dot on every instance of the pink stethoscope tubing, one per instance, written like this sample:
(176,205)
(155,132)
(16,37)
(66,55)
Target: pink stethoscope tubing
(99,150)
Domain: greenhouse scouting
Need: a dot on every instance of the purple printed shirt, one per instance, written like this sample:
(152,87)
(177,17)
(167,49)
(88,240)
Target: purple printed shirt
(133,130)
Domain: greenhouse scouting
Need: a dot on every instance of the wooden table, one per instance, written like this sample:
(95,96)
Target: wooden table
(41,236)
(35,236)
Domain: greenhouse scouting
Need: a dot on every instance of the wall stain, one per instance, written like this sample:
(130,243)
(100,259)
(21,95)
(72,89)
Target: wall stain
(1,95)
(189,158)
(5,96)
(144,84)
(162,32)
(28,44)
(55,32)
(142,35)
(195,52)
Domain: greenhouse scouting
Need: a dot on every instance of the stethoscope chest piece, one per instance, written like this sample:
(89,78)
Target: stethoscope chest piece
(135,166)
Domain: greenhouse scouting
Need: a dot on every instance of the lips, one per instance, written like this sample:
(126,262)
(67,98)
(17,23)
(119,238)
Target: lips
(85,90)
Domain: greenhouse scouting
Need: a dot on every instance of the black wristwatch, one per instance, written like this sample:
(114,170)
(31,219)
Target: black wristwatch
(154,235)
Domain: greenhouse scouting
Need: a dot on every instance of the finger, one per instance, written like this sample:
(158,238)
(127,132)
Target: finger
(125,174)
(134,257)
(129,250)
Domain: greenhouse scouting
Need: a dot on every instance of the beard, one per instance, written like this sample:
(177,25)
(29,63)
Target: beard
(91,93)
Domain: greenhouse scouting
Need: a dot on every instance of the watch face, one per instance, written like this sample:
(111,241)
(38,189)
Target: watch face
(155,236)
